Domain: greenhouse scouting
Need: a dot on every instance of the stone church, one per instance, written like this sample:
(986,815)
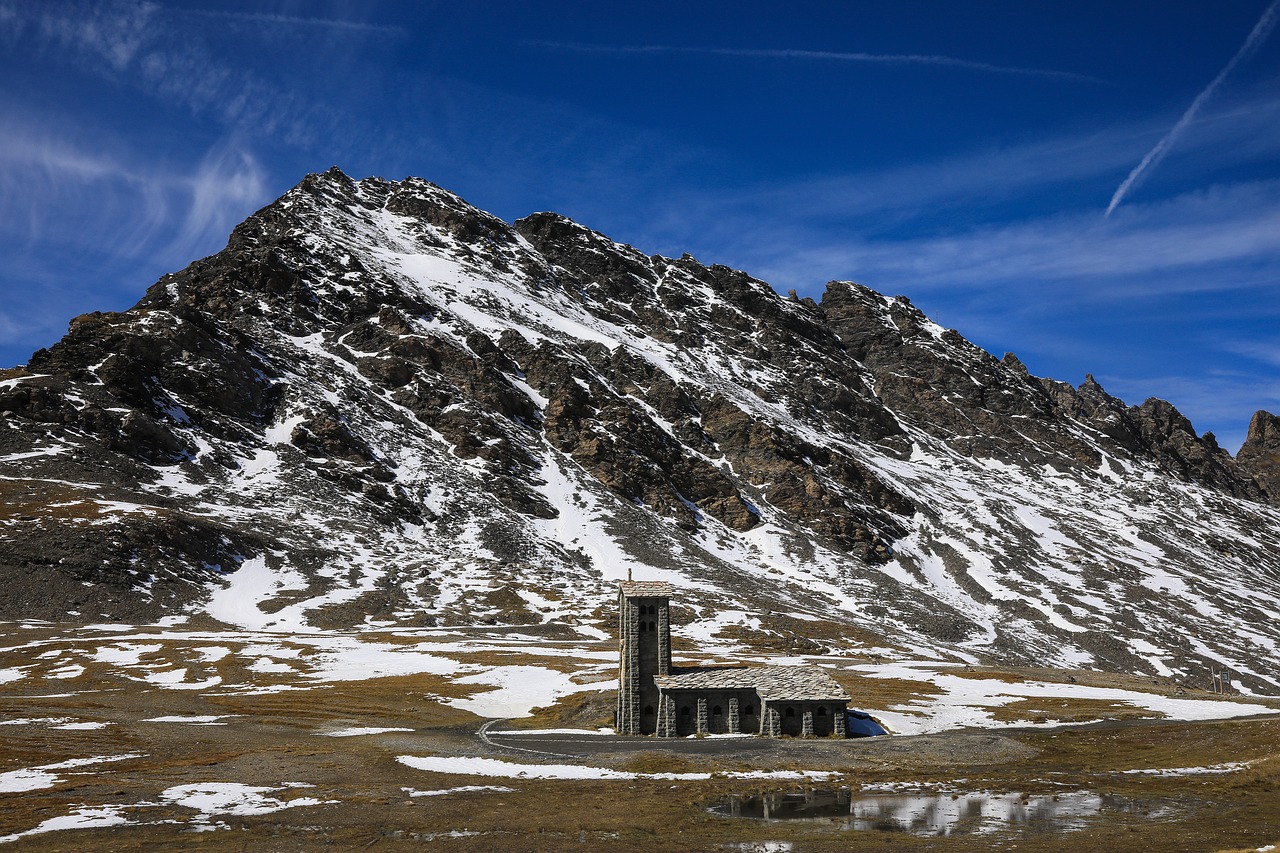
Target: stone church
(655,698)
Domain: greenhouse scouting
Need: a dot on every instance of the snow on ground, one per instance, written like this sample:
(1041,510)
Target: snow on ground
(518,690)
(468,766)
(234,798)
(967,702)
(176,679)
(239,602)
(1041,537)
(583,525)
(192,719)
(538,672)
(463,789)
(364,730)
(265,664)
(320,657)
(1211,770)
(82,818)
(346,658)
(704,631)
(35,778)
(125,653)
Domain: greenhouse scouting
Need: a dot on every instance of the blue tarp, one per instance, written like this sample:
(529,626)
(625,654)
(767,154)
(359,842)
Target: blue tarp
(860,724)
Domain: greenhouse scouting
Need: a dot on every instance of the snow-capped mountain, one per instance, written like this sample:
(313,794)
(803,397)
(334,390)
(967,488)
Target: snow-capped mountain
(379,405)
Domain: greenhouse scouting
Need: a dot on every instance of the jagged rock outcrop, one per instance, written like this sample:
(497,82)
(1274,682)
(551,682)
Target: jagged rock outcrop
(1259,456)
(379,402)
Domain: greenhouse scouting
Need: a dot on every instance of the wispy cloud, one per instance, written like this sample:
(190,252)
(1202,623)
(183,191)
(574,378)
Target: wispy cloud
(819,55)
(946,224)
(295,21)
(1156,252)
(227,186)
(1265,352)
(135,44)
(43,172)
(87,224)
(57,192)
(792,232)
(1153,157)
(114,32)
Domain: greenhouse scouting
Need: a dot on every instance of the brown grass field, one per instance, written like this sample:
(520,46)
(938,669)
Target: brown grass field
(272,739)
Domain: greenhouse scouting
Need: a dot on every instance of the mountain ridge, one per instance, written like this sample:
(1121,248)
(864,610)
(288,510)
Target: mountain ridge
(380,405)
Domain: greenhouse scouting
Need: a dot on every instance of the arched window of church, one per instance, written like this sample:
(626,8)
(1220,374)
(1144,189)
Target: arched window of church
(821,712)
(653,626)
(716,712)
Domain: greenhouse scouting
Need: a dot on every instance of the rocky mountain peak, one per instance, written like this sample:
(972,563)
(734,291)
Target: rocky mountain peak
(379,404)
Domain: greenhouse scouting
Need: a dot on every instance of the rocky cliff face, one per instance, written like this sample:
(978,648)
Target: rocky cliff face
(379,405)
(1259,457)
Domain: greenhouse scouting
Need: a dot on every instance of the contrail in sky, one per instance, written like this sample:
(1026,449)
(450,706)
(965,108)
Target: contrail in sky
(836,56)
(292,20)
(1260,31)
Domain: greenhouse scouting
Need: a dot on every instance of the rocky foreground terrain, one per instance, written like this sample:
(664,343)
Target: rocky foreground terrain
(380,406)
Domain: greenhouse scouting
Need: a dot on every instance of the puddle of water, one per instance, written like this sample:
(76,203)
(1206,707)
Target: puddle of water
(973,813)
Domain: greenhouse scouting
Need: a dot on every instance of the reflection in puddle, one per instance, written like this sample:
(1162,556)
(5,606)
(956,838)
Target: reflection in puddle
(934,814)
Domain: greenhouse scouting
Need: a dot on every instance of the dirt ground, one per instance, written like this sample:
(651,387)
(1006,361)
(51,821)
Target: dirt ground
(97,746)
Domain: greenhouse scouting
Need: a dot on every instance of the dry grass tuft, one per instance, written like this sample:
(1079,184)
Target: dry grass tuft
(659,761)
(1263,774)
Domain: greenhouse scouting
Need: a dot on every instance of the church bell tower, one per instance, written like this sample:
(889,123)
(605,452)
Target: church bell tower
(644,650)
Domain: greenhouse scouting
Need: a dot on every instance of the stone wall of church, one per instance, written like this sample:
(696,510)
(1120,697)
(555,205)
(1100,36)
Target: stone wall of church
(786,718)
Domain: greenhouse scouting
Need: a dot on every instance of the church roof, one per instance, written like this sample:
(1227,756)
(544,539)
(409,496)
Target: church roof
(781,683)
(646,589)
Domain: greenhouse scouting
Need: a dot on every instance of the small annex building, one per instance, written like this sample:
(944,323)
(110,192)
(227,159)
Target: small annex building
(656,698)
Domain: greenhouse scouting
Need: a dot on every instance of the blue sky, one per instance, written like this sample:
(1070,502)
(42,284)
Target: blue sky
(1094,186)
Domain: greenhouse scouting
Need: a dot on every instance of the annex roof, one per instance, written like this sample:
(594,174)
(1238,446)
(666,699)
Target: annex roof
(797,683)
(646,589)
